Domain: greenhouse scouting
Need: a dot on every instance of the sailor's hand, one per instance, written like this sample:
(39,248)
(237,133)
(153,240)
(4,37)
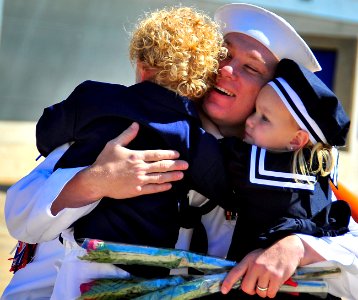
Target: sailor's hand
(122,173)
(263,271)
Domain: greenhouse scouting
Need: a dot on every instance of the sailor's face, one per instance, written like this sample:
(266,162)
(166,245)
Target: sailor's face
(247,68)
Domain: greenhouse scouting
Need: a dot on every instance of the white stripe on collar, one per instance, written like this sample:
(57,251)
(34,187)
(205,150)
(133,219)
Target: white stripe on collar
(268,176)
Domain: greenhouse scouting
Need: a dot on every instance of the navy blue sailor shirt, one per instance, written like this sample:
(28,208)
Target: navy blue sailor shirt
(272,202)
(95,113)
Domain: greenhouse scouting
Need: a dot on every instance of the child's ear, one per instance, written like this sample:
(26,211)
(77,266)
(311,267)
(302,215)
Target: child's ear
(300,139)
(144,72)
(140,71)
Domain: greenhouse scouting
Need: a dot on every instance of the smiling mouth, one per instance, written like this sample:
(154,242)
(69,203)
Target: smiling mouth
(222,91)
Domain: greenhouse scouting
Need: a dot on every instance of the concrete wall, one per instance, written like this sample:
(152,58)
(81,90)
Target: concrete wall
(17,150)
(348,168)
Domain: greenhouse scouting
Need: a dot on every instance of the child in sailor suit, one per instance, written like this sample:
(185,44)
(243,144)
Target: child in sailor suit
(280,171)
(177,53)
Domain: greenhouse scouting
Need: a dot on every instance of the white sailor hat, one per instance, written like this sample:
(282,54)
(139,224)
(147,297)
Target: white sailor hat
(269,29)
(312,104)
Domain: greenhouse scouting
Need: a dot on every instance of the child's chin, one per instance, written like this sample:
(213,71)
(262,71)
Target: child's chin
(248,140)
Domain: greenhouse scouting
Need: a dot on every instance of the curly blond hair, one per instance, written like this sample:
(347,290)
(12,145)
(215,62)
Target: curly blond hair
(183,46)
(321,161)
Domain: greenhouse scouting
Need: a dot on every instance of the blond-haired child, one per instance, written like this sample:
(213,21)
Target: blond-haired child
(280,171)
(176,52)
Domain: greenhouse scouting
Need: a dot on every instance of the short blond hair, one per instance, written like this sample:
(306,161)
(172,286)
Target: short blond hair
(183,46)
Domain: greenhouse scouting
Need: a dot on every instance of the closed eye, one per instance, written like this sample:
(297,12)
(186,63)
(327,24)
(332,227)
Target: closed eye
(252,69)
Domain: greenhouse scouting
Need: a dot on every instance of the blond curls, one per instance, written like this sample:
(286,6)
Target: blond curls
(321,161)
(183,46)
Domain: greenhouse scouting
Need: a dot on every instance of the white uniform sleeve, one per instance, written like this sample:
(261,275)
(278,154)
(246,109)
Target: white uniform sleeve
(343,250)
(27,207)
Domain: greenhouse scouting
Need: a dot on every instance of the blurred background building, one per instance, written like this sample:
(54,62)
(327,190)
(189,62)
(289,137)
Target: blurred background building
(49,47)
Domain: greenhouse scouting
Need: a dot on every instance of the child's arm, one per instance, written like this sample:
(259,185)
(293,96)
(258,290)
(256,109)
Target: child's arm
(56,125)
(332,220)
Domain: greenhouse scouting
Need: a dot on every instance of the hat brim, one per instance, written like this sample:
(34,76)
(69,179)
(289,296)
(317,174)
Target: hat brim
(269,29)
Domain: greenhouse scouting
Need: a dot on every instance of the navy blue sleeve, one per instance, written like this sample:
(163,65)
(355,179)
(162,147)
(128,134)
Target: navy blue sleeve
(65,121)
(332,220)
(56,126)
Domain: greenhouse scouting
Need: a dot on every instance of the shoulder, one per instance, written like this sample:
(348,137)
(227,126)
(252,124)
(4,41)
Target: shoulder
(90,93)
(99,87)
